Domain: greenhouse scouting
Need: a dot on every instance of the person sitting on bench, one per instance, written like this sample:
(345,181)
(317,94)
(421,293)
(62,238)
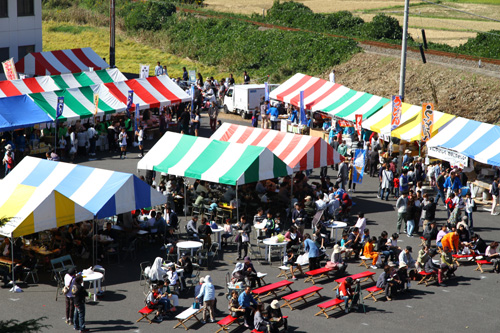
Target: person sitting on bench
(447,264)
(158,302)
(431,267)
(275,316)
(292,262)
(234,306)
(345,292)
(369,253)
(250,273)
(386,282)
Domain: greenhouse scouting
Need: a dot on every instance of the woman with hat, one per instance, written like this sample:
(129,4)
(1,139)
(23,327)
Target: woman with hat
(276,317)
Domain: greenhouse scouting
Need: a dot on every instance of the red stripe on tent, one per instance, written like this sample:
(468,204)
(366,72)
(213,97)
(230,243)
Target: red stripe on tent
(229,133)
(261,136)
(317,85)
(246,134)
(277,140)
(42,65)
(155,82)
(322,97)
(113,89)
(143,94)
(9,89)
(329,155)
(290,147)
(317,154)
(66,61)
(294,88)
(20,66)
(303,158)
(33,85)
(83,58)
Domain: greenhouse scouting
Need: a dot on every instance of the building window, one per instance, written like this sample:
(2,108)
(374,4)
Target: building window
(25,8)
(22,51)
(4,8)
(4,55)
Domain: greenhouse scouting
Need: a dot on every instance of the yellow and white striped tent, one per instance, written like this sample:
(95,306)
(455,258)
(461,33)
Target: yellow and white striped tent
(33,209)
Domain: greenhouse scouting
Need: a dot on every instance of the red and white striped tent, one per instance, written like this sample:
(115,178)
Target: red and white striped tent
(152,92)
(60,62)
(300,152)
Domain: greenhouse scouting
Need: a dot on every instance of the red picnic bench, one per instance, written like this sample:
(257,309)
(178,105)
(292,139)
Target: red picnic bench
(457,257)
(272,289)
(480,264)
(301,295)
(256,331)
(329,305)
(366,275)
(318,274)
(372,292)
(427,277)
(226,322)
(145,312)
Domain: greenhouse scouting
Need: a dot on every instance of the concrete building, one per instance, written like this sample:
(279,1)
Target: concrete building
(20,29)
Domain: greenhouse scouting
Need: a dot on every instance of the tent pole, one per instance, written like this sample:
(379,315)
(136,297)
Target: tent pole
(12,271)
(291,195)
(185,201)
(237,205)
(94,243)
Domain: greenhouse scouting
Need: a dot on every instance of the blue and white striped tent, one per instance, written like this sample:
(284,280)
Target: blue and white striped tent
(474,139)
(103,192)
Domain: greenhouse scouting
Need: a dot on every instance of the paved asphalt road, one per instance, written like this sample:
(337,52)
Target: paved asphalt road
(469,302)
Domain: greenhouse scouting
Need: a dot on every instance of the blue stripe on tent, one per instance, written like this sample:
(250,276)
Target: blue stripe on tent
(108,209)
(464,133)
(483,142)
(39,174)
(72,182)
(142,192)
(495,160)
(108,190)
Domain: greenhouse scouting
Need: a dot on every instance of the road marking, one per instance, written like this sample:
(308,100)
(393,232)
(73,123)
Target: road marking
(14,299)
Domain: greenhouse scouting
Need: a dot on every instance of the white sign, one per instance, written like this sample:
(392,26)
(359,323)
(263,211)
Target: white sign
(455,159)
(144,73)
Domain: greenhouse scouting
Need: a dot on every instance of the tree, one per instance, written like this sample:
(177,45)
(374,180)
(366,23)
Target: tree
(28,326)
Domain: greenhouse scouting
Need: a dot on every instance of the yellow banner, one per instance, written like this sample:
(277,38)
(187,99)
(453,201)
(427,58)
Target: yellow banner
(427,121)
(96,103)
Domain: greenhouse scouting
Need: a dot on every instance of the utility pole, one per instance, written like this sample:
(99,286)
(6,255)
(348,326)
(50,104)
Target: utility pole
(112,33)
(403,52)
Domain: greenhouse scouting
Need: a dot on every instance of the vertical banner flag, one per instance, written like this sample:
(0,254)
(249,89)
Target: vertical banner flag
(9,69)
(96,103)
(303,119)
(396,112)
(359,166)
(192,76)
(130,101)
(192,97)
(60,107)
(427,121)
(359,120)
(137,117)
(144,72)
(266,91)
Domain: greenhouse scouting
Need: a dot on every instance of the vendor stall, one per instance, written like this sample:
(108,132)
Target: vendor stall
(20,112)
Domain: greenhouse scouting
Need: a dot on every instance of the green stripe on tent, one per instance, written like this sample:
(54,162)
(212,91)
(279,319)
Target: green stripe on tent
(249,157)
(83,79)
(377,107)
(45,106)
(104,76)
(279,167)
(60,81)
(74,104)
(353,107)
(185,143)
(341,101)
(89,94)
(206,159)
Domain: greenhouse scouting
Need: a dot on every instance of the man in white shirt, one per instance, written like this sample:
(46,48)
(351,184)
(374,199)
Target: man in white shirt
(91,135)
(158,69)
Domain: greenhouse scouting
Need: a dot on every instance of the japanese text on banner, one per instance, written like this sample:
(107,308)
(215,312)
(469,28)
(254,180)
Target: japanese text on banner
(396,112)
(427,121)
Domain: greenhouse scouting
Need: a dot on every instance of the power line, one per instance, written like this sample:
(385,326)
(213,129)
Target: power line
(462,11)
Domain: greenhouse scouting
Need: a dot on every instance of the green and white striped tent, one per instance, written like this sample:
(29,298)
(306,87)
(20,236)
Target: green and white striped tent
(85,79)
(79,103)
(212,160)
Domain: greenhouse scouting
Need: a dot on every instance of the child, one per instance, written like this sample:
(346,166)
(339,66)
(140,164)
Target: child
(396,186)
(228,232)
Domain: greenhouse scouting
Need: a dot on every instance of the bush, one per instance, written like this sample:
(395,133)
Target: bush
(58,4)
(343,20)
(383,27)
(291,13)
(147,15)
(486,44)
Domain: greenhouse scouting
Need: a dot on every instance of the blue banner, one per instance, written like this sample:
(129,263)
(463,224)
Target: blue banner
(266,91)
(303,119)
(359,166)
(60,107)
(130,101)
(192,97)
(137,117)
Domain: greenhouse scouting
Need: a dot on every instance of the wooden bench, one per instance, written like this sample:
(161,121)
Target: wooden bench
(301,295)
(145,312)
(330,305)
(318,274)
(364,260)
(426,277)
(285,269)
(186,315)
(272,289)
(372,292)
(480,264)
(366,275)
(226,322)
(457,257)
(261,277)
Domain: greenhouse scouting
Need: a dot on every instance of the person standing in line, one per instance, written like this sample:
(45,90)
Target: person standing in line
(401,206)
(494,193)
(122,140)
(140,138)
(273,114)
(440,187)
(263,113)
(80,294)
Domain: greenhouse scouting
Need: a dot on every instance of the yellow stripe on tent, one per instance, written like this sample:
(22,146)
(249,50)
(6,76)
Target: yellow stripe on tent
(386,121)
(13,205)
(65,210)
(27,227)
(440,119)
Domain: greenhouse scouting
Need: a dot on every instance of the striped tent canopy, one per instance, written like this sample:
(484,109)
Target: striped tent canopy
(411,122)
(212,160)
(30,209)
(474,139)
(332,98)
(152,92)
(57,82)
(60,62)
(102,192)
(78,103)
(300,152)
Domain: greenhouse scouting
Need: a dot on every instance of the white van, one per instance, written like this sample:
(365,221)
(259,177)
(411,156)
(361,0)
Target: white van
(243,99)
